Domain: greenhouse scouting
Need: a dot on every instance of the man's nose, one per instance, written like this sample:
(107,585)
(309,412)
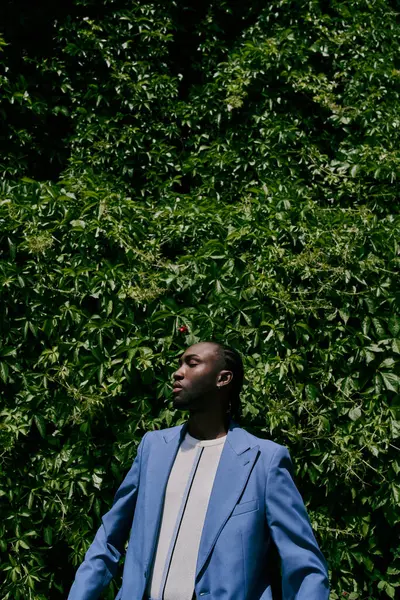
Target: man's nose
(178,374)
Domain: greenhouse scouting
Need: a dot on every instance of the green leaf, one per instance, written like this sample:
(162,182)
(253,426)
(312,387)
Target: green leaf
(391,381)
(78,224)
(41,425)
(394,325)
(396,346)
(4,371)
(7,351)
(48,535)
(355,413)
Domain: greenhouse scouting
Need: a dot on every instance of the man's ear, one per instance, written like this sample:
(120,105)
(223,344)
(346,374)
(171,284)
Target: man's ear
(225,377)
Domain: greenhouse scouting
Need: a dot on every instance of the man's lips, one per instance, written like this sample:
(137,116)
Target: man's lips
(177,388)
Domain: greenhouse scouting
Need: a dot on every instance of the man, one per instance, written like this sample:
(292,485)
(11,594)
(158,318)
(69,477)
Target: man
(204,501)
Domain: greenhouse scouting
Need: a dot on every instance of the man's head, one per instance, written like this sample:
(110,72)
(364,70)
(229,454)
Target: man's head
(209,377)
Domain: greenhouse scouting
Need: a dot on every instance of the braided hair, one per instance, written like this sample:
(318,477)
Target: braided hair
(232,361)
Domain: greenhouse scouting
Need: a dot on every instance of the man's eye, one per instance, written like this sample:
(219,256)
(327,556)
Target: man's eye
(193,364)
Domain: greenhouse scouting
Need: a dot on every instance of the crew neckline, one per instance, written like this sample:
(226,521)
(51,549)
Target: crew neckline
(196,442)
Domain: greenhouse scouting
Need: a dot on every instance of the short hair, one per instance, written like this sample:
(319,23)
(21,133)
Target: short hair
(232,361)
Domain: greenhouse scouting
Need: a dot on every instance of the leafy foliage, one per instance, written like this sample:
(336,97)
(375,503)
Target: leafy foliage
(226,167)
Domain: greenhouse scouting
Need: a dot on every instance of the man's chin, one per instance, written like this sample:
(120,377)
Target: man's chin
(181,403)
(184,400)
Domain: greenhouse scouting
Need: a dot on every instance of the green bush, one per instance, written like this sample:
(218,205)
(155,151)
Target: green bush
(224,167)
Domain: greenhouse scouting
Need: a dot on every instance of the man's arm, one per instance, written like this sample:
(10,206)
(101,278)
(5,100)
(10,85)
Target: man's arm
(304,571)
(102,557)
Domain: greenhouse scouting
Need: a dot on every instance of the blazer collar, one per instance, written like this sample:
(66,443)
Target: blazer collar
(237,437)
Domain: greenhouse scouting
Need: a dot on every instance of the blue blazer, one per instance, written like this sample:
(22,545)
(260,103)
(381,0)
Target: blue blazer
(253,500)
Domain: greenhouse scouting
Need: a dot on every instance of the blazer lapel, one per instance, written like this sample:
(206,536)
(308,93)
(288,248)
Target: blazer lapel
(159,465)
(236,462)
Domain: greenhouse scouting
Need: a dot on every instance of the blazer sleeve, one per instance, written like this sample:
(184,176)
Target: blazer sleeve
(304,570)
(101,559)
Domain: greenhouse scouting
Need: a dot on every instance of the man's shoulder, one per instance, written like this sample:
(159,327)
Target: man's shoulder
(265,444)
(167,432)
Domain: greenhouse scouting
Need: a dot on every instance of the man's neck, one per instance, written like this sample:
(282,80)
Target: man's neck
(204,426)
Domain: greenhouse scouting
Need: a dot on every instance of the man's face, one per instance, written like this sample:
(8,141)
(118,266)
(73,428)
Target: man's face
(197,377)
